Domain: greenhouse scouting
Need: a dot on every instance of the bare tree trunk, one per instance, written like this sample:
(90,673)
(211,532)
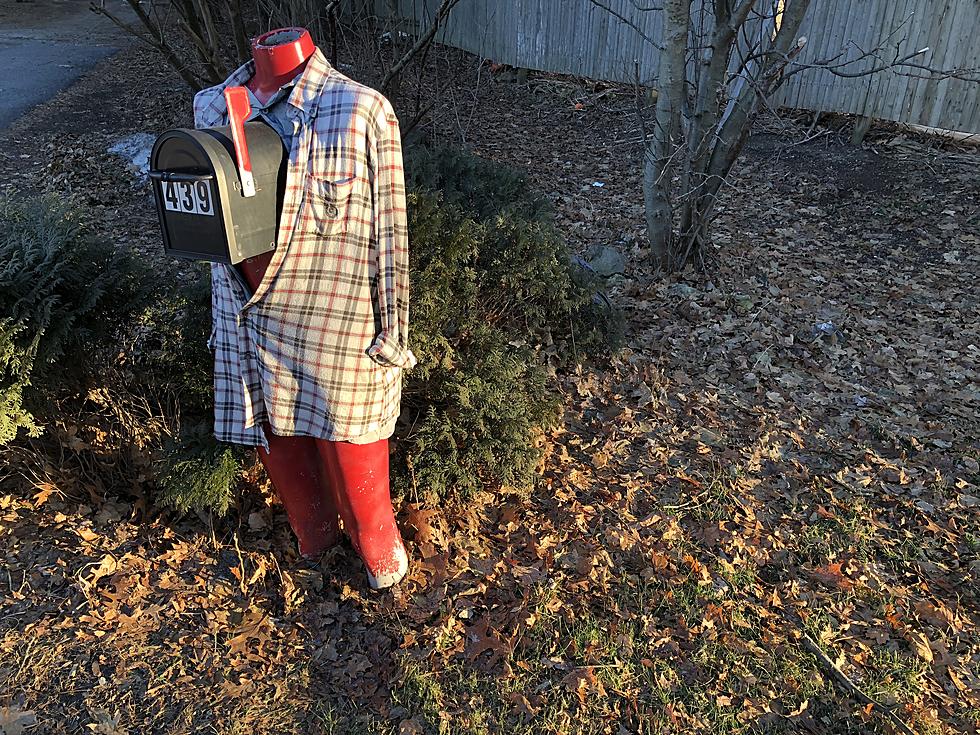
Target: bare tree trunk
(734,128)
(657,168)
(758,80)
(701,136)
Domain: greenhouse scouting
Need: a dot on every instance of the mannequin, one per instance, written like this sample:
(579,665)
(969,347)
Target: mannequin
(321,481)
(280,56)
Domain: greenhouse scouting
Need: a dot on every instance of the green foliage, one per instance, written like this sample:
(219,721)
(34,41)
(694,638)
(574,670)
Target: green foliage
(16,361)
(171,347)
(63,295)
(481,237)
(199,473)
(480,187)
(533,289)
(194,471)
(478,395)
(483,405)
(494,297)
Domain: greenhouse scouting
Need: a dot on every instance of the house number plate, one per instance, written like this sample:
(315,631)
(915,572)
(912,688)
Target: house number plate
(189,197)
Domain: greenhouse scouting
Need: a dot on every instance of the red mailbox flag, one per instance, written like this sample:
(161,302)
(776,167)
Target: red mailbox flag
(236,99)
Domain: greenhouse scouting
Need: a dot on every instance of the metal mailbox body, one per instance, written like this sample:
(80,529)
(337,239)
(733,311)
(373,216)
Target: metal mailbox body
(198,193)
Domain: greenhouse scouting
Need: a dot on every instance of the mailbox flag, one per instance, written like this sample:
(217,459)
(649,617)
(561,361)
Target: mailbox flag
(239,108)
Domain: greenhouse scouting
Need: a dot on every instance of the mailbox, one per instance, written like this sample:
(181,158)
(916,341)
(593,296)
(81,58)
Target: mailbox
(205,213)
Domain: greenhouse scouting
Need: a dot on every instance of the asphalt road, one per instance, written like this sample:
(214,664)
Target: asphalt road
(45,45)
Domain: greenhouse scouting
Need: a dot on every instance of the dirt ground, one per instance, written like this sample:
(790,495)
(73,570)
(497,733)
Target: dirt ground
(773,487)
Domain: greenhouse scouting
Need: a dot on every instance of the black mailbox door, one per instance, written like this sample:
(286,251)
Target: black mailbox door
(188,199)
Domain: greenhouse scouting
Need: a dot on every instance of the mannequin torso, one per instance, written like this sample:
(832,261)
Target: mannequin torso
(280,56)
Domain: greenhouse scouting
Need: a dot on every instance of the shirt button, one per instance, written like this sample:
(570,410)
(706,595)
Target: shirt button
(332,210)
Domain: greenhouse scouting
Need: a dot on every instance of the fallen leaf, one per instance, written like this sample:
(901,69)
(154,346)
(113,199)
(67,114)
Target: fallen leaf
(14,720)
(920,644)
(480,638)
(410,727)
(583,682)
(832,576)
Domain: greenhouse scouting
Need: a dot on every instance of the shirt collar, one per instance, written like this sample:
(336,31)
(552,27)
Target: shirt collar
(283,92)
(307,90)
(306,87)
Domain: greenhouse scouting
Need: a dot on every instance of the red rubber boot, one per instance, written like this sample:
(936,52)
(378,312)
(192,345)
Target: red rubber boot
(293,465)
(359,477)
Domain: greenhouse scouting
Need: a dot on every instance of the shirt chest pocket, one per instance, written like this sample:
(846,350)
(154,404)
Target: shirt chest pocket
(328,204)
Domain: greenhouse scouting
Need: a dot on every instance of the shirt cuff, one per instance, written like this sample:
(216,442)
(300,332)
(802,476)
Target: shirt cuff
(389,353)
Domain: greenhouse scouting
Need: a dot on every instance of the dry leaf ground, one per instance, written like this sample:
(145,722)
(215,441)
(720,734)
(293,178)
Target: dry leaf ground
(787,447)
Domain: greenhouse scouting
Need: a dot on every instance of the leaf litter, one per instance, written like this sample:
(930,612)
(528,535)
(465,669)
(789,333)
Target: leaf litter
(787,449)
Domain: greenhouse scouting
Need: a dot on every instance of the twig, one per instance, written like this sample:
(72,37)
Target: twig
(808,139)
(841,678)
(424,40)
(813,125)
(242,584)
(630,23)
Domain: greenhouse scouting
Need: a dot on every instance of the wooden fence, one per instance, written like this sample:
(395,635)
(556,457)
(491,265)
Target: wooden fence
(618,40)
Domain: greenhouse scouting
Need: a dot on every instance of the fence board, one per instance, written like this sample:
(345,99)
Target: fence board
(581,38)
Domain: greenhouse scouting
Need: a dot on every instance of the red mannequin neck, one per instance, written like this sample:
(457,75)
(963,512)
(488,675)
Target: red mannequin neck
(280,56)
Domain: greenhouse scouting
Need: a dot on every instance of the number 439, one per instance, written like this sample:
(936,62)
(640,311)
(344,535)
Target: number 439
(189,197)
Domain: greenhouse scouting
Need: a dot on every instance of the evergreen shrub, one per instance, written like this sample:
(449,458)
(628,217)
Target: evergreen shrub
(63,295)
(170,346)
(198,473)
(494,298)
(480,187)
(494,295)
(171,355)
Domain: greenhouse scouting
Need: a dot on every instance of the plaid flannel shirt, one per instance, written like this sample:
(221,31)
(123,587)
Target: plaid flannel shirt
(318,349)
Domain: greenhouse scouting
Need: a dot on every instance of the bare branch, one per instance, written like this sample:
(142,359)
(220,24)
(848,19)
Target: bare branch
(153,37)
(214,40)
(741,12)
(423,42)
(722,12)
(842,679)
(646,8)
(839,67)
(630,23)
(240,38)
(968,75)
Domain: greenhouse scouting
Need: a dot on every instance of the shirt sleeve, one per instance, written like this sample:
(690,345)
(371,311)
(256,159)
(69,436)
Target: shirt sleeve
(202,101)
(390,347)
